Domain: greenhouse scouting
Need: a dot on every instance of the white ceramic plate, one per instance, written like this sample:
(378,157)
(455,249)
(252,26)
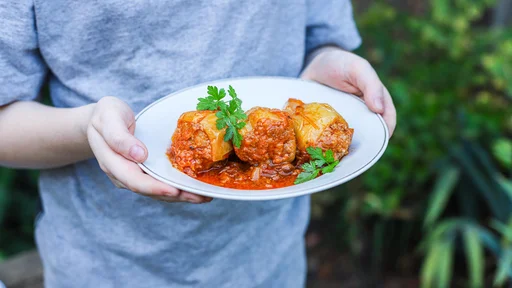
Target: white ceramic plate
(157,122)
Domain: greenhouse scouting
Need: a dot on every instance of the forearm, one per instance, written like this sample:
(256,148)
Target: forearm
(36,136)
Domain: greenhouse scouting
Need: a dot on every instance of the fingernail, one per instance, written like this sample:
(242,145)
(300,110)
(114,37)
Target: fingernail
(378,104)
(137,153)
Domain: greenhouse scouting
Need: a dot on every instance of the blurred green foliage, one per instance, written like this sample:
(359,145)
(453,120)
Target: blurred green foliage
(444,86)
(18,207)
(447,171)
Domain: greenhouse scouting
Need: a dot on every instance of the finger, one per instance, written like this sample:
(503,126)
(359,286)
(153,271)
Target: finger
(356,92)
(194,198)
(116,182)
(128,174)
(117,129)
(125,172)
(119,139)
(166,199)
(366,79)
(179,199)
(389,114)
(184,197)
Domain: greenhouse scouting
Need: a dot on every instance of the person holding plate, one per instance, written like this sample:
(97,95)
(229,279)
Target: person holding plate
(105,60)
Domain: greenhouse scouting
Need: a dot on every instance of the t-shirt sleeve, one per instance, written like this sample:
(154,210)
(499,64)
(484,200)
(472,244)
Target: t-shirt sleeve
(22,69)
(331,22)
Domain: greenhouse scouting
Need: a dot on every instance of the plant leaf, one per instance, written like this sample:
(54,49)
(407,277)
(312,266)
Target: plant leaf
(502,150)
(232,92)
(498,202)
(441,193)
(444,265)
(329,156)
(207,103)
(237,138)
(309,167)
(214,92)
(428,270)
(306,176)
(330,167)
(489,240)
(504,265)
(229,133)
(221,123)
(315,153)
(505,184)
(504,230)
(475,256)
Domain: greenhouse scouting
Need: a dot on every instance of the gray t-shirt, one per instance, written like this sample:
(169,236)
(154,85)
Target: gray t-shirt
(92,234)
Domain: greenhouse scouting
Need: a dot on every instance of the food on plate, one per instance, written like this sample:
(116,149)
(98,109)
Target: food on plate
(197,144)
(267,137)
(321,163)
(230,114)
(319,125)
(273,148)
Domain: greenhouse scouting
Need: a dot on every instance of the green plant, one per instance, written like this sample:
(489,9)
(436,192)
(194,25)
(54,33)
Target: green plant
(470,163)
(442,91)
(18,208)
(450,76)
(440,248)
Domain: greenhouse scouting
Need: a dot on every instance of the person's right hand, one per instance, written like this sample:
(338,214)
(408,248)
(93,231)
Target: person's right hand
(110,135)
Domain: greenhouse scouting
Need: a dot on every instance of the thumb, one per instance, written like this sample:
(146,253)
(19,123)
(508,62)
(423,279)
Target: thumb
(367,81)
(125,144)
(374,97)
(120,139)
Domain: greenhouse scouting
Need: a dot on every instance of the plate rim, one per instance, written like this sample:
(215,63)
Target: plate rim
(255,197)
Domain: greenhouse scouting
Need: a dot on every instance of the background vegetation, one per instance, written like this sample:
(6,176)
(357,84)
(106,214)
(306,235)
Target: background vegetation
(436,210)
(438,204)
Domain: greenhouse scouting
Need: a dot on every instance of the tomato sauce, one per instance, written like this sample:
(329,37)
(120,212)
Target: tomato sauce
(233,173)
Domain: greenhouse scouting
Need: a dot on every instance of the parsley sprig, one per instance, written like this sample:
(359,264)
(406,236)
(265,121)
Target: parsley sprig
(214,99)
(230,113)
(320,162)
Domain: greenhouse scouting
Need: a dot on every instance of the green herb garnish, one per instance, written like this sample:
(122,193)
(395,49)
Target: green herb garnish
(214,99)
(230,113)
(320,162)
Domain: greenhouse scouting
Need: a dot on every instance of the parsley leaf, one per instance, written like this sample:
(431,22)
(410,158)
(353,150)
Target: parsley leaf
(329,156)
(206,104)
(321,162)
(330,167)
(315,153)
(217,94)
(237,138)
(214,99)
(230,114)
(309,167)
(229,133)
(232,92)
(306,176)
(221,122)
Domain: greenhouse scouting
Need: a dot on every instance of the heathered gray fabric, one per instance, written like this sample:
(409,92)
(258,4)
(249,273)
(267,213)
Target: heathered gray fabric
(94,235)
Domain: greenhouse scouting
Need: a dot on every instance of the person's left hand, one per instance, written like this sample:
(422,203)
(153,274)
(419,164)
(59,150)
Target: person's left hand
(350,73)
